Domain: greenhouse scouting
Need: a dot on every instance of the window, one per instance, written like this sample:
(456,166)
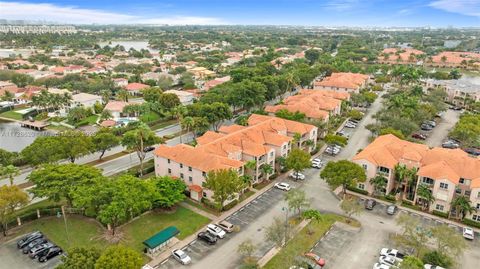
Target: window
(361,186)
(181,175)
(168,160)
(458,191)
(478,206)
(383,169)
(462,181)
(190,168)
(271,154)
(204,195)
(476,217)
(204,174)
(169,170)
(365,166)
(190,179)
(478,194)
(427,180)
(467,193)
(439,207)
(284,147)
(181,165)
(444,186)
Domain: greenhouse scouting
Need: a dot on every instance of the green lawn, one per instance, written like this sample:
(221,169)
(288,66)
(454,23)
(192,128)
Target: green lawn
(82,231)
(148,225)
(11,115)
(91,119)
(35,206)
(162,124)
(302,242)
(150,116)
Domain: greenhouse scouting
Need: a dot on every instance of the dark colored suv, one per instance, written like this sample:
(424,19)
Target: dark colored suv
(207,237)
(28,238)
(33,244)
(47,254)
(370,204)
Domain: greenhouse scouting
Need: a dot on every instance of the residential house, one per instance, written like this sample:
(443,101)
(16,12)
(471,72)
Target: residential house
(447,173)
(343,82)
(120,82)
(85,99)
(201,72)
(262,141)
(186,98)
(400,56)
(116,109)
(136,88)
(460,92)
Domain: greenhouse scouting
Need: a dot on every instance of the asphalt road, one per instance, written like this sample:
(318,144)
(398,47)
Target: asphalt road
(440,132)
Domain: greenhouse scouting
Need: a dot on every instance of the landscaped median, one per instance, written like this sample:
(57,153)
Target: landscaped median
(303,241)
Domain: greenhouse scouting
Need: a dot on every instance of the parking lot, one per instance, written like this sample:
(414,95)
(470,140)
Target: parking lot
(198,249)
(12,258)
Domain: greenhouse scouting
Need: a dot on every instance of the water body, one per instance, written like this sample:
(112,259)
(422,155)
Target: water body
(472,79)
(5,53)
(128,44)
(13,137)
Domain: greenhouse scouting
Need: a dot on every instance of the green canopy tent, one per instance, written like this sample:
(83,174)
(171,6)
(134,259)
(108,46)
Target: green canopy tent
(160,239)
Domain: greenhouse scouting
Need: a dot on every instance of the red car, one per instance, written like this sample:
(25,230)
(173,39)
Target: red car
(419,136)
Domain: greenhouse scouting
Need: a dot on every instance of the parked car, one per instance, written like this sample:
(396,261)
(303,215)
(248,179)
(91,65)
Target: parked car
(350,125)
(332,150)
(28,238)
(207,237)
(429,266)
(394,253)
(314,257)
(317,163)
(380,266)
(216,231)
(387,260)
(149,148)
(33,244)
(473,151)
(391,209)
(426,127)
(419,136)
(343,133)
(226,226)
(181,256)
(370,204)
(35,251)
(431,123)
(297,175)
(468,233)
(449,144)
(282,186)
(49,253)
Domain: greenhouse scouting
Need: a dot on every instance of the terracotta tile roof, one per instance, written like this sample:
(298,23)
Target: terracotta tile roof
(117,106)
(108,123)
(328,93)
(196,157)
(455,57)
(435,163)
(404,54)
(136,86)
(195,188)
(343,80)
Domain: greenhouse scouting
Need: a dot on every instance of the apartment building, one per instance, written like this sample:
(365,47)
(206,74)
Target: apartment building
(460,92)
(399,56)
(448,173)
(343,82)
(261,142)
(315,104)
(38,29)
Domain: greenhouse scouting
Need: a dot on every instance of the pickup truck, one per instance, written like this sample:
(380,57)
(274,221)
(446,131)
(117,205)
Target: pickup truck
(394,253)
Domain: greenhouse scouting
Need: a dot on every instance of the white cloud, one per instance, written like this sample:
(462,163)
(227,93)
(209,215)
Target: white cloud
(464,7)
(342,5)
(75,15)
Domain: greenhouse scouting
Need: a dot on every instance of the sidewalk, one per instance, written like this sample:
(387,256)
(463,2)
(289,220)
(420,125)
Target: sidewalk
(415,212)
(183,243)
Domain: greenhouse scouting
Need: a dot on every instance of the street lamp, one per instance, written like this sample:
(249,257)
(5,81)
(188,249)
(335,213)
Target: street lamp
(286,223)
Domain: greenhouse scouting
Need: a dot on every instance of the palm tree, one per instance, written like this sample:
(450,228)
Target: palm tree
(424,192)
(122,95)
(266,169)
(8,96)
(296,139)
(106,94)
(411,176)
(187,124)
(309,143)
(9,171)
(379,183)
(252,165)
(399,171)
(443,59)
(462,205)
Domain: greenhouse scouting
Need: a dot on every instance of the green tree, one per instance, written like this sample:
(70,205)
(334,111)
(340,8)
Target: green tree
(152,94)
(169,191)
(390,130)
(426,196)
(266,169)
(119,257)
(6,157)
(59,181)
(335,140)
(138,139)
(278,232)
(187,124)
(45,149)
(104,140)
(80,258)
(298,160)
(75,144)
(462,206)
(411,262)
(438,259)
(224,183)
(9,171)
(247,249)
(379,183)
(200,125)
(11,198)
(168,100)
(351,207)
(449,242)
(343,173)
(296,200)
(312,55)
(414,235)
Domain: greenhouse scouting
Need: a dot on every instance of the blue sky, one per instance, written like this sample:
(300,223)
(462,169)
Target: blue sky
(436,13)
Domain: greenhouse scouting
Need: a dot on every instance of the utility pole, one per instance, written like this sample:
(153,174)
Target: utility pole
(66,227)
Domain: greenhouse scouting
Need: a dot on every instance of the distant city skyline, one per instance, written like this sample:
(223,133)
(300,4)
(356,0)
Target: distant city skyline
(358,13)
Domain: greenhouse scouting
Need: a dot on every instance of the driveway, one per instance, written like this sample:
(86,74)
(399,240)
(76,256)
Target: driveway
(444,126)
